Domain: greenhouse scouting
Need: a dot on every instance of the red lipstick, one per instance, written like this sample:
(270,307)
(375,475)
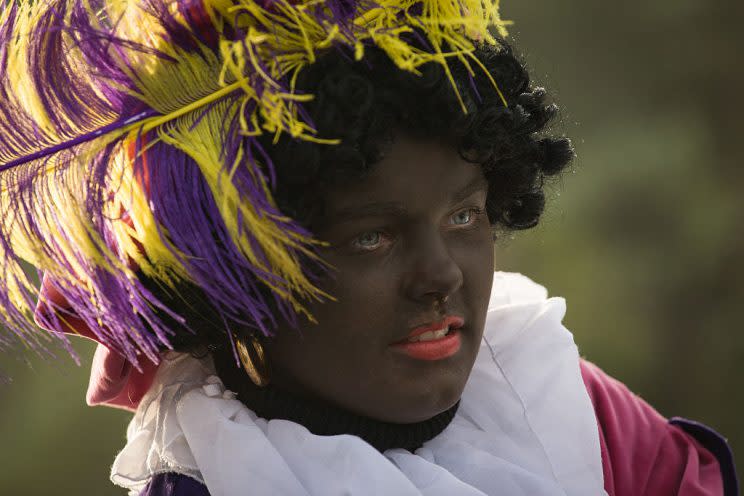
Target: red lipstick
(436,345)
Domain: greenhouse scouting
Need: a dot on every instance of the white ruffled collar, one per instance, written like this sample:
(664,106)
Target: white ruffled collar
(525,425)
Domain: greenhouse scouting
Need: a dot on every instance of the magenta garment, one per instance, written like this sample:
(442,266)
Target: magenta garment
(643,454)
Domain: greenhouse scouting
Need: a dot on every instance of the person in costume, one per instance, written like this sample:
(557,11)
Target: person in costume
(277,219)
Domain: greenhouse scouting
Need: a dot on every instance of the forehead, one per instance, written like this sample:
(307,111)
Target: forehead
(413,174)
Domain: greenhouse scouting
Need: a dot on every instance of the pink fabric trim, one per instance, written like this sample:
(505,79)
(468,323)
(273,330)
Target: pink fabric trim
(114,381)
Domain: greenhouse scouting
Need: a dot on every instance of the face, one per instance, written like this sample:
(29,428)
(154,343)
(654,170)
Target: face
(412,252)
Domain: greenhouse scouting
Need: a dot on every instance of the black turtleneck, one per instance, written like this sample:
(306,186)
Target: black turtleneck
(327,420)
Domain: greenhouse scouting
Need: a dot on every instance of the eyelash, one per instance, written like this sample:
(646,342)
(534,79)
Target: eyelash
(475,215)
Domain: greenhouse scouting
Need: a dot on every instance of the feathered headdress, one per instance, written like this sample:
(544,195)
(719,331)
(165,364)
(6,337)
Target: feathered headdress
(128,142)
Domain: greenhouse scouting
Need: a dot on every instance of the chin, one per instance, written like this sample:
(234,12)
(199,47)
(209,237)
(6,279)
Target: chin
(427,401)
(431,392)
(419,413)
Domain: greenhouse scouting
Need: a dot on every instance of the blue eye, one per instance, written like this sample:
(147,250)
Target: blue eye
(368,241)
(464,217)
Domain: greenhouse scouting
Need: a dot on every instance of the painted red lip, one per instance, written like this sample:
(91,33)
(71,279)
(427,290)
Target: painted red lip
(436,349)
(452,321)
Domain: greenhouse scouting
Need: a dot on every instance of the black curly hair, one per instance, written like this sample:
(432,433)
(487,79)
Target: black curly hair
(367,104)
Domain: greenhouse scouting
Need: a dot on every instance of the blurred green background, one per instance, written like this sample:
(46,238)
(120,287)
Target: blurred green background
(643,237)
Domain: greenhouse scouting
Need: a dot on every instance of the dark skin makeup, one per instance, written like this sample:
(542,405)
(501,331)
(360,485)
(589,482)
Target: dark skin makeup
(410,233)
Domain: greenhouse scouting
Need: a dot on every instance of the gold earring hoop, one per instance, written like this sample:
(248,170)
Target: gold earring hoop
(253,359)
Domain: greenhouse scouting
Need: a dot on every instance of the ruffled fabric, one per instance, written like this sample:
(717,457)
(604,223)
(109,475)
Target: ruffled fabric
(525,425)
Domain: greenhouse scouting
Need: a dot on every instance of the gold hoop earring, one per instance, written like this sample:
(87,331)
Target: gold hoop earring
(253,359)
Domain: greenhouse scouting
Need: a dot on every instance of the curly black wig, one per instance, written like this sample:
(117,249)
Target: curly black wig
(366,105)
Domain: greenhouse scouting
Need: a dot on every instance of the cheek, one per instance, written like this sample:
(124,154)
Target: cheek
(350,333)
(363,317)
(364,292)
(342,358)
(474,255)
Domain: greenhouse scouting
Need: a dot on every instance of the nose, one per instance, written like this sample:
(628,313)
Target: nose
(432,273)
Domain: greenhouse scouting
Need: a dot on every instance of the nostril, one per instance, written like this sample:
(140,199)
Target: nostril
(439,304)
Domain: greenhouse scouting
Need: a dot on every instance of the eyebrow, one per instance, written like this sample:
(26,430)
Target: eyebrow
(393,209)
